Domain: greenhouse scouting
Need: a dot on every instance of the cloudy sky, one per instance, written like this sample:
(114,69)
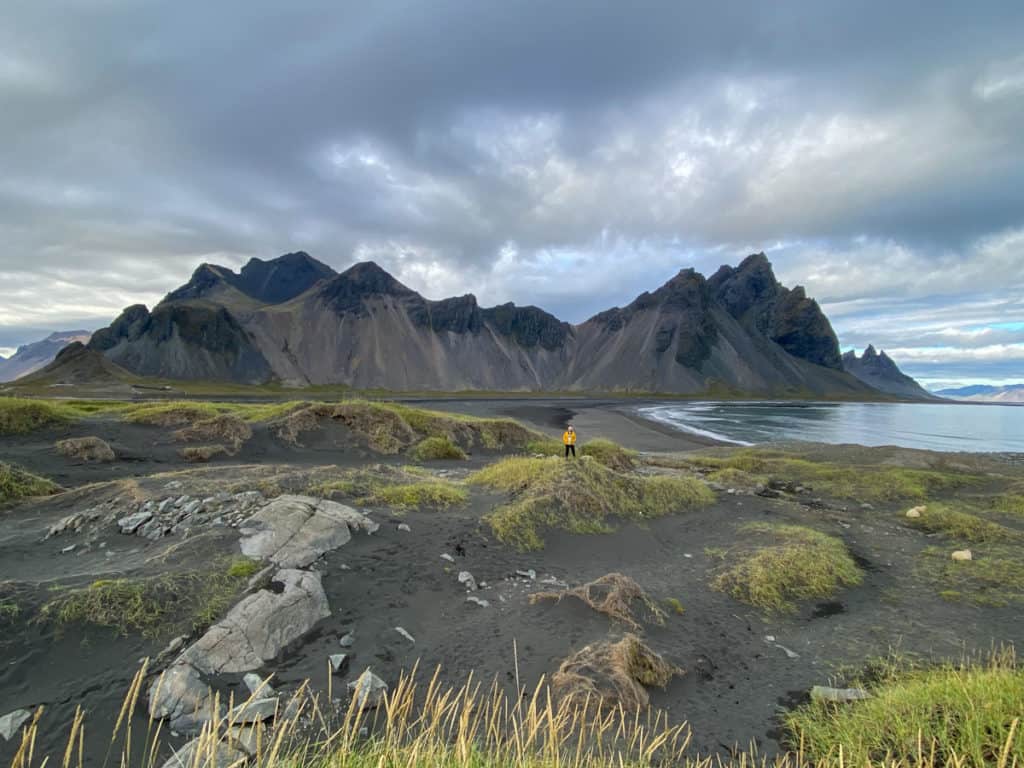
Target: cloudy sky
(568,154)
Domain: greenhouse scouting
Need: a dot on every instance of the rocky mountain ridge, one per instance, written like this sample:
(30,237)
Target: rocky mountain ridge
(878,370)
(38,354)
(294,320)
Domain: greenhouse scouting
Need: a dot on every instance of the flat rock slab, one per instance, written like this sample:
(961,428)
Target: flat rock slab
(293,531)
(258,628)
(202,753)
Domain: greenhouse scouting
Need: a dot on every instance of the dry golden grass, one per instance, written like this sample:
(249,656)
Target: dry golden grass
(198,454)
(88,449)
(612,676)
(616,596)
(225,429)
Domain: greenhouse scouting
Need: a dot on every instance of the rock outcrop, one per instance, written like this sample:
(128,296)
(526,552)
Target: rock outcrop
(877,370)
(258,628)
(293,531)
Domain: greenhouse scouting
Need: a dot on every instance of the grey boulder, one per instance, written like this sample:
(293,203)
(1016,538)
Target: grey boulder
(128,525)
(254,711)
(368,691)
(203,753)
(258,628)
(293,531)
(180,696)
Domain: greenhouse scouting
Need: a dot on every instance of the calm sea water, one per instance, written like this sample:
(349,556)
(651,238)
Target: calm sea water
(946,427)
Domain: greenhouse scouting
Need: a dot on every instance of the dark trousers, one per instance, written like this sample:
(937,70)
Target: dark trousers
(570,448)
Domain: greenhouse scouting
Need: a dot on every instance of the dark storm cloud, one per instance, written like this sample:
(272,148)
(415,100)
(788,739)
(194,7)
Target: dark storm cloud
(567,154)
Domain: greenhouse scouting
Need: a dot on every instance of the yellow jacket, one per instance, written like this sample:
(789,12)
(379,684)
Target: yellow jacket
(569,438)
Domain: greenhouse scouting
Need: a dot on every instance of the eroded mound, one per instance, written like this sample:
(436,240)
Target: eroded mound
(610,675)
(88,449)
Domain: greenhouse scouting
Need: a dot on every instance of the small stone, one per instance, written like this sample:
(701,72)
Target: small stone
(128,525)
(867,506)
(182,500)
(769,638)
(192,507)
(478,600)
(404,527)
(347,640)
(963,554)
(405,634)
(789,654)
(12,722)
(915,512)
(248,738)
(368,691)
(165,505)
(687,555)
(467,580)
(339,663)
(69,549)
(838,695)
(529,573)
(257,684)
(448,557)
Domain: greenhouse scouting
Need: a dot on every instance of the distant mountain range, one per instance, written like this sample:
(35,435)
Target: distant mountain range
(294,320)
(34,356)
(877,370)
(984,393)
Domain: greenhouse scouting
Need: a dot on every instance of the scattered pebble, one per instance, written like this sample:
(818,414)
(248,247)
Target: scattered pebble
(448,557)
(404,527)
(405,634)
(963,554)
(466,579)
(478,600)
(339,663)
(529,573)
(68,549)
(347,640)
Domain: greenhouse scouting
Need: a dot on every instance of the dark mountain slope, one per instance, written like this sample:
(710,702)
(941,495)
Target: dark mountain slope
(753,296)
(739,331)
(879,371)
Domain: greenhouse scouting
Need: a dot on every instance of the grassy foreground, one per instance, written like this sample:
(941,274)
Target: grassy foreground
(967,715)
(16,483)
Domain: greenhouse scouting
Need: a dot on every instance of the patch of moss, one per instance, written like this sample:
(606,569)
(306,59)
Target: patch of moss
(16,483)
(88,449)
(577,496)
(203,453)
(224,428)
(941,518)
(243,568)
(675,605)
(396,488)
(9,611)
(873,483)
(436,448)
(797,563)
(993,577)
(153,607)
(966,710)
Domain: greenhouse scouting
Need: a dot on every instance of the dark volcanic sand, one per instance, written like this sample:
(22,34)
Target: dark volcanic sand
(736,681)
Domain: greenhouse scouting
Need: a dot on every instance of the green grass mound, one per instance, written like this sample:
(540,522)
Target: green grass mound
(993,577)
(940,518)
(396,488)
(154,607)
(920,717)
(577,496)
(170,414)
(391,428)
(1011,504)
(605,451)
(436,448)
(872,483)
(796,563)
(19,416)
(16,483)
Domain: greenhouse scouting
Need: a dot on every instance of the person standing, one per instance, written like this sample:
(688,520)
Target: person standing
(569,440)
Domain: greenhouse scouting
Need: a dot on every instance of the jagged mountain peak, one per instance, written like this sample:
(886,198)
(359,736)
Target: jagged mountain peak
(880,371)
(271,282)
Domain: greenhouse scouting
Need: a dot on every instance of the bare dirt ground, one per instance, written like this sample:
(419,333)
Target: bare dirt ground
(737,679)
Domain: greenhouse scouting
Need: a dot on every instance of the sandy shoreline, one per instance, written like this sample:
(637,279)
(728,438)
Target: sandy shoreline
(612,419)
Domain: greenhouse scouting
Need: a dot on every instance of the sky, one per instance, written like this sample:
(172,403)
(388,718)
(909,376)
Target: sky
(568,155)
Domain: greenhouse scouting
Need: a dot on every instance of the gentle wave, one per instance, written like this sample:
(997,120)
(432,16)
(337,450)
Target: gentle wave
(673,418)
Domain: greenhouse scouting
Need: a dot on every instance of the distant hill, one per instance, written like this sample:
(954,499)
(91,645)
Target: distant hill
(878,370)
(295,321)
(985,393)
(32,357)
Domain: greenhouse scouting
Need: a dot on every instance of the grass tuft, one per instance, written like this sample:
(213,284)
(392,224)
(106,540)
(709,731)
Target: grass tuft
(577,496)
(436,448)
(394,487)
(153,607)
(957,714)
(19,416)
(798,563)
(994,577)
(610,454)
(198,454)
(16,483)
(940,518)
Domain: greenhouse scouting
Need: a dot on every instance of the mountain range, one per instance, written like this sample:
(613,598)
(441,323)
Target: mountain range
(296,321)
(986,393)
(34,356)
